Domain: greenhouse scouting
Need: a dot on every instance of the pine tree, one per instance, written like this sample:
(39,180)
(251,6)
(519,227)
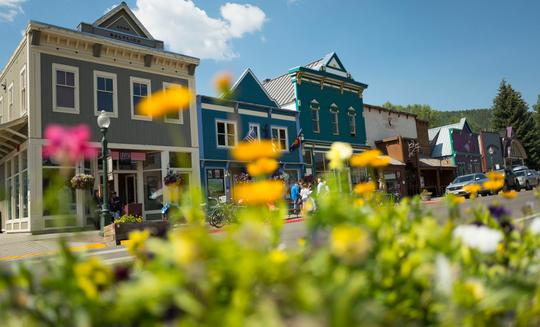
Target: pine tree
(536,108)
(509,109)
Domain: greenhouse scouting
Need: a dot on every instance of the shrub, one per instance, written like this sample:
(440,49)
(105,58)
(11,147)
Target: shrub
(128,219)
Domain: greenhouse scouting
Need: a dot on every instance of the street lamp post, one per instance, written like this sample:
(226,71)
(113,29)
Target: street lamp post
(491,151)
(103,122)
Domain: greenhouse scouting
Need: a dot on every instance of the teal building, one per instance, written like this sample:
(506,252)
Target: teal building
(330,106)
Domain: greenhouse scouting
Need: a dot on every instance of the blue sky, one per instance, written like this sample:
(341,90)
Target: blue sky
(448,54)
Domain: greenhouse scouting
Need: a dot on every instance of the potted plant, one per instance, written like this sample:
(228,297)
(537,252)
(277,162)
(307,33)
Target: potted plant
(82,181)
(173,178)
(121,227)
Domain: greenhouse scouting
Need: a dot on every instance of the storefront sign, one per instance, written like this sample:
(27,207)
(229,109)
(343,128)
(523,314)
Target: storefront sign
(124,158)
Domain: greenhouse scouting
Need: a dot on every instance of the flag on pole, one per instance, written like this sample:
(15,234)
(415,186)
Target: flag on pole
(251,136)
(297,142)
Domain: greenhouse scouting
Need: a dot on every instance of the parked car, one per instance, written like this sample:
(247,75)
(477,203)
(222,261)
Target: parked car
(527,179)
(456,187)
(519,168)
(510,180)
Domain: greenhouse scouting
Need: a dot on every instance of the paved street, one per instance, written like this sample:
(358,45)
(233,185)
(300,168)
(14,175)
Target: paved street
(32,248)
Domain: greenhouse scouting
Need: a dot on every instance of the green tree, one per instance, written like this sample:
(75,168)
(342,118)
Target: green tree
(509,109)
(536,108)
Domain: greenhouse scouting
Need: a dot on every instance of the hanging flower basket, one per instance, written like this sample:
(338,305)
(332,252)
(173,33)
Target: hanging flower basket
(173,178)
(82,182)
(242,178)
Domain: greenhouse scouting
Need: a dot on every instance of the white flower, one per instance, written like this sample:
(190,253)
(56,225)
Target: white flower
(479,237)
(443,275)
(339,152)
(535,226)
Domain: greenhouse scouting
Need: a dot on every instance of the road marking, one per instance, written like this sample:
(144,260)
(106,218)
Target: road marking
(52,252)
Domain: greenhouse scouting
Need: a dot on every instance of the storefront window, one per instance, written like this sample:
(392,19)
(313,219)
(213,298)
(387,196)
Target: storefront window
(320,162)
(152,183)
(16,175)
(215,181)
(307,157)
(180,159)
(153,161)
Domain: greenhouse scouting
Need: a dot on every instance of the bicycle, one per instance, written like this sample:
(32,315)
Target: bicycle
(221,213)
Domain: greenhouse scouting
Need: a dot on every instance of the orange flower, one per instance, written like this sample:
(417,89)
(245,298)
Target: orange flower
(223,83)
(509,194)
(250,151)
(364,188)
(257,193)
(458,200)
(472,188)
(494,185)
(262,166)
(169,100)
(380,162)
(365,158)
(494,175)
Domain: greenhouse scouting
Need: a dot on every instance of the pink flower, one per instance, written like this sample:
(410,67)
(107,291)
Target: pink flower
(68,145)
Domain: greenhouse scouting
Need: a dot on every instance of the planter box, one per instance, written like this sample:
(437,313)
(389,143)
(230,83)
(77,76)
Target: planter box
(115,233)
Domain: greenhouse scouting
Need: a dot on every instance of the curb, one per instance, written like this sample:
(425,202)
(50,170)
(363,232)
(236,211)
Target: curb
(92,246)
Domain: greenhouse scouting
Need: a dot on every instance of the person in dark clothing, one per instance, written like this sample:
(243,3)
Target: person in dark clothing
(116,205)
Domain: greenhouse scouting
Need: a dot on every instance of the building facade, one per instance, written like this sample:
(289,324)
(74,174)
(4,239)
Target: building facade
(67,76)
(250,113)
(491,150)
(330,106)
(457,142)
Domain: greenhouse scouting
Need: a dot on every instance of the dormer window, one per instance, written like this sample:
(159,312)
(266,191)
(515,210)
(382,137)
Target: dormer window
(314,106)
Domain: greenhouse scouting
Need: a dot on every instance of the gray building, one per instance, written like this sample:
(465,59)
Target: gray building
(67,76)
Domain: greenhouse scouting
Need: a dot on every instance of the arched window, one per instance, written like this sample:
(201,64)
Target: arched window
(314,106)
(352,121)
(334,111)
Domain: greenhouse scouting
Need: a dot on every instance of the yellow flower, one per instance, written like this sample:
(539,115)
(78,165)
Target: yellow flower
(169,100)
(509,194)
(472,188)
(250,151)
(301,242)
(137,240)
(262,192)
(339,152)
(185,250)
(380,162)
(262,166)
(494,175)
(458,200)
(494,185)
(223,82)
(92,276)
(365,158)
(349,243)
(476,289)
(359,202)
(365,188)
(278,257)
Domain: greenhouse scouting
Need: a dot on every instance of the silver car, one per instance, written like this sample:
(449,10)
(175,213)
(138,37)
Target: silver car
(527,179)
(456,187)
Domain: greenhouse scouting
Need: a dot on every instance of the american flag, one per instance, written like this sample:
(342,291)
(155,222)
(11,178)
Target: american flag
(251,135)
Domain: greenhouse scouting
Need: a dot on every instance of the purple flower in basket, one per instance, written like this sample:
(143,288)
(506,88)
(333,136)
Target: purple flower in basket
(173,178)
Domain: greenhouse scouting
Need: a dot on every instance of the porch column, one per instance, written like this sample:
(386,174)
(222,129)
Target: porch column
(35,187)
(164,167)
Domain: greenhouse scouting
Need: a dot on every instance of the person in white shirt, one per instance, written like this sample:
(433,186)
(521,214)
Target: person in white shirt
(305,194)
(321,186)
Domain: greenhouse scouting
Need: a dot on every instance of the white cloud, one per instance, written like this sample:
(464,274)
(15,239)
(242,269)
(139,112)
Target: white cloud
(187,29)
(111,8)
(9,9)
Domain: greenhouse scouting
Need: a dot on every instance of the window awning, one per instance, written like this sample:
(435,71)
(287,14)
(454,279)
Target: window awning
(13,134)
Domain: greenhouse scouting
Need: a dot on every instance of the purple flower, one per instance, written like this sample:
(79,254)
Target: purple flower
(499,212)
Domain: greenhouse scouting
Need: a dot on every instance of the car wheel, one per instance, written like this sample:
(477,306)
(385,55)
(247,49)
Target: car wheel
(528,186)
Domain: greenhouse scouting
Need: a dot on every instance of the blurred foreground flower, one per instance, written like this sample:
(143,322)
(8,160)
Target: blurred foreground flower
(137,240)
(512,194)
(370,158)
(458,200)
(223,84)
(262,192)
(535,226)
(92,276)
(494,175)
(262,166)
(479,237)
(339,152)
(494,185)
(365,188)
(250,151)
(169,100)
(472,189)
(68,145)
(349,243)
(185,250)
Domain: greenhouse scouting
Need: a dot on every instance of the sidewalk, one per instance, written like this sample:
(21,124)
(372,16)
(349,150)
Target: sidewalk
(20,246)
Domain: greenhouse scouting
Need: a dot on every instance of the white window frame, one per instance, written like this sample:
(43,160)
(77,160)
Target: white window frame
(334,111)
(227,145)
(179,121)
(314,106)
(148,87)
(23,87)
(286,135)
(352,118)
(75,71)
(10,113)
(112,76)
(258,129)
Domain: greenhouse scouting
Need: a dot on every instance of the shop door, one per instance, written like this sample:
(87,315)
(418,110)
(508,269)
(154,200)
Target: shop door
(127,188)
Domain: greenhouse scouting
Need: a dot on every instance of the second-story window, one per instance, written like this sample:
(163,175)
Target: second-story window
(314,106)
(140,89)
(279,136)
(23,89)
(105,93)
(175,117)
(226,133)
(352,121)
(65,89)
(11,114)
(254,132)
(334,112)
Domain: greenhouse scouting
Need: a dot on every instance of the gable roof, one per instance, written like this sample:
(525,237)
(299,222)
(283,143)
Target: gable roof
(440,138)
(330,60)
(281,89)
(122,19)
(249,89)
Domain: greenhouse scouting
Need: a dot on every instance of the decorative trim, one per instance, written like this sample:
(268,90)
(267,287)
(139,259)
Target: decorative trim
(253,113)
(283,117)
(210,106)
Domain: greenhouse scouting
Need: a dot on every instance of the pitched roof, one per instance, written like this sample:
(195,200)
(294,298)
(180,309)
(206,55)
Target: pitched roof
(440,138)
(122,12)
(248,88)
(281,89)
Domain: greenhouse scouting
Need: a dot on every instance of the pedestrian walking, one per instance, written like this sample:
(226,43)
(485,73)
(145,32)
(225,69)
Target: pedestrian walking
(295,196)
(321,186)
